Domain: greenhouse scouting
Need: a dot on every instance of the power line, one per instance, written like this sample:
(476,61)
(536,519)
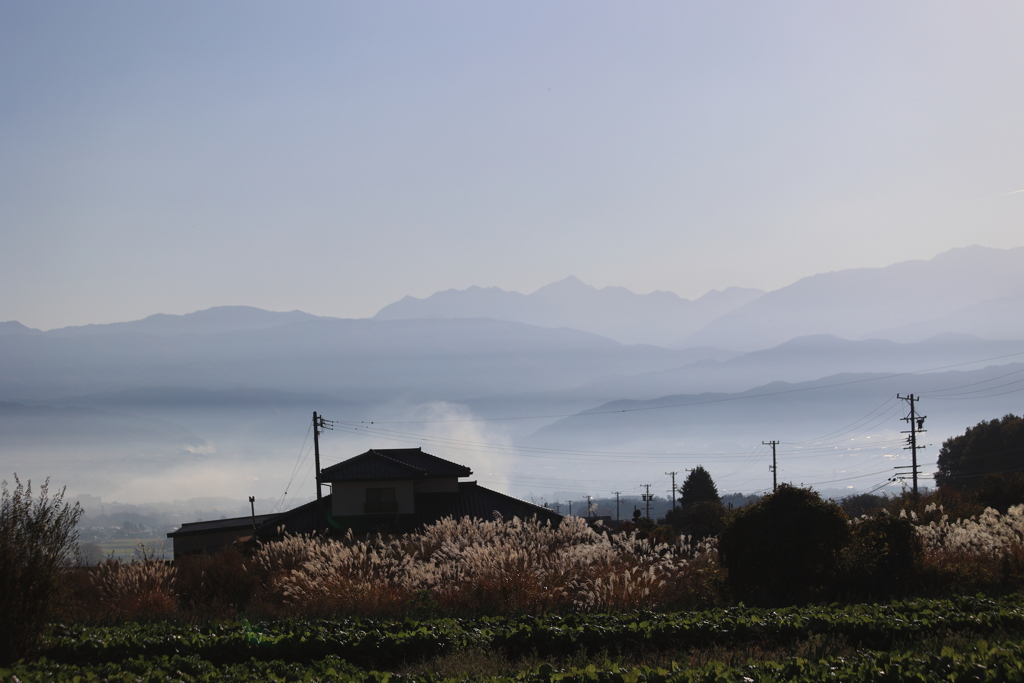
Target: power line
(970,398)
(974,384)
(295,470)
(850,427)
(553,454)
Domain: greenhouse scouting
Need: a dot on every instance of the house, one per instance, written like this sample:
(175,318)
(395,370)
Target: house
(392,490)
(214,535)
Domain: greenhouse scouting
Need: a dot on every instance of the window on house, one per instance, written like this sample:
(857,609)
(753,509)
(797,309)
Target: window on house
(381,500)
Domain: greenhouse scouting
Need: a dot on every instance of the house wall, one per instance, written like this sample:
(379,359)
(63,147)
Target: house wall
(209,542)
(349,498)
(439,485)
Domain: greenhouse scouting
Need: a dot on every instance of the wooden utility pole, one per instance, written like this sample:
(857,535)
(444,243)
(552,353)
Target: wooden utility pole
(616,494)
(673,488)
(774,468)
(316,452)
(647,497)
(916,427)
(319,423)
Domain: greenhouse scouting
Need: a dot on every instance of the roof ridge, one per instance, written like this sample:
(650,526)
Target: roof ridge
(430,455)
(394,460)
(505,495)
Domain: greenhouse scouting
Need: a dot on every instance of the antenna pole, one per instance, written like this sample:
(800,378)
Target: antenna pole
(252,508)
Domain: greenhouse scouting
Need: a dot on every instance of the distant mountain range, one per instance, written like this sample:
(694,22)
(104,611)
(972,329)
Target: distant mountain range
(661,318)
(210,321)
(367,361)
(974,290)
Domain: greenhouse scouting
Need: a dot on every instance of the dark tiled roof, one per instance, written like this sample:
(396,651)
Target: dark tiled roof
(471,500)
(394,463)
(220,525)
(301,520)
(474,500)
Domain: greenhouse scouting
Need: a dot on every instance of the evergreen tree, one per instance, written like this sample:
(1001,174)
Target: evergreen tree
(699,487)
(989,447)
(786,547)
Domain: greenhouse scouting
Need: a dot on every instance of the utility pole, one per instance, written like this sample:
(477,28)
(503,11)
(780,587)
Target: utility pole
(570,508)
(647,497)
(319,423)
(774,468)
(673,488)
(558,507)
(916,427)
(589,506)
(616,494)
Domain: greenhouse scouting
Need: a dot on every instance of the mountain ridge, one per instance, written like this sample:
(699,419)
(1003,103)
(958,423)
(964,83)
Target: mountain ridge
(661,318)
(864,302)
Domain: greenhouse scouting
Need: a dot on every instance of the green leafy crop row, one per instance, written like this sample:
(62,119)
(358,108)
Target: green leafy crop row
(374,643)
(983,662)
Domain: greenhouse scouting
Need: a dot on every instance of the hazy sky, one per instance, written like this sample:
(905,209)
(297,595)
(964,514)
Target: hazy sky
(333,157)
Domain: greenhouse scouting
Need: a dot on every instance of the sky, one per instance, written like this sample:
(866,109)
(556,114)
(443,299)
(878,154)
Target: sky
(334,157)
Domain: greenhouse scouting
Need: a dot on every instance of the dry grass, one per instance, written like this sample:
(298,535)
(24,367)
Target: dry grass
(454,567)
(471,567)
(979,552)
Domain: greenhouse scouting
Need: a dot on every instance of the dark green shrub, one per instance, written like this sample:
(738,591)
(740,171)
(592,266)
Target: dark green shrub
(37,540)
(883,558)
(1001,491)
(863,504)
(785,548)
(699,520)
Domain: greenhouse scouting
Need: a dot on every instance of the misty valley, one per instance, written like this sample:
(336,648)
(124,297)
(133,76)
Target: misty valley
(524,389)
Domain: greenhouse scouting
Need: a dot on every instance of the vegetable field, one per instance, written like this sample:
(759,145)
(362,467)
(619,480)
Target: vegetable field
(893,642)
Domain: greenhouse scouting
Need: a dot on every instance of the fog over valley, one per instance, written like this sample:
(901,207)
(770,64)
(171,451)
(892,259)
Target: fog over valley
(218,402)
